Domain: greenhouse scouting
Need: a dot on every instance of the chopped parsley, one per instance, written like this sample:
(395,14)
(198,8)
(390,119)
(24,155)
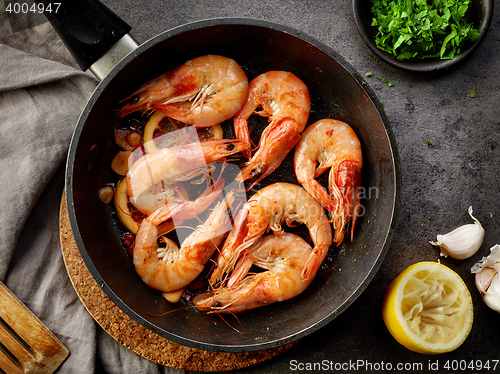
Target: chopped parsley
(386,81)
(428,142)
(422,28)
(369,74)
(472,92)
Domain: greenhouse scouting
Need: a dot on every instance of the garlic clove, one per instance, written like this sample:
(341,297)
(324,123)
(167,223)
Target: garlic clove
(484,278)
(488,278)
(492,295)
(174,296)
(463,242)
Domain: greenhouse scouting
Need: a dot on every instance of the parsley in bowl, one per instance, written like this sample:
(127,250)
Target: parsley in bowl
(422,35)
(422,28)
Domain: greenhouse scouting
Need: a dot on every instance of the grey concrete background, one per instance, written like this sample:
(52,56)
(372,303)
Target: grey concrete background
(440,181)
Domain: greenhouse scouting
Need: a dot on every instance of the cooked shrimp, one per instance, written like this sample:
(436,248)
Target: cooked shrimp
(284,98)
(150,178)
(267,210)
(282,256)
(334,145)
(171,268)
(203,92)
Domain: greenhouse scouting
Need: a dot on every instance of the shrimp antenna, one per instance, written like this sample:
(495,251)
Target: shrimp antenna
(172,311)
(232,327)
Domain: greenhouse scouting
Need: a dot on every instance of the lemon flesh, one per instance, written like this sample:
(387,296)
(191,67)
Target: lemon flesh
(428,308)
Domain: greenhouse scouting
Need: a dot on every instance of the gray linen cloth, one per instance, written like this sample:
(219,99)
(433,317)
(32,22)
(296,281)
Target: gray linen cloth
(42,93)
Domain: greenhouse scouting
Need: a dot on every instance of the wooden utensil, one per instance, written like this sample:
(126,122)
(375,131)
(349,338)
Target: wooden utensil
(26,344)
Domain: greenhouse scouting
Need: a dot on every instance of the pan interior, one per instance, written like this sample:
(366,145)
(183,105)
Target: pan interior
(336,90)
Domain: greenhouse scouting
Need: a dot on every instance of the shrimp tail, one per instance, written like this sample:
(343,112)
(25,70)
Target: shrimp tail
(357,211)
(242,133)
(276,142)
(348,179)
(313,262)
(321,195)
(337,216)
(240,271)
(166,212)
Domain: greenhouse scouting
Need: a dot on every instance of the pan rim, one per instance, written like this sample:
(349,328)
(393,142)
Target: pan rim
(396,167)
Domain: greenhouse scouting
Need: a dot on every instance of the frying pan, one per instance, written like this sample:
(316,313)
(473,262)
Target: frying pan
(337,91)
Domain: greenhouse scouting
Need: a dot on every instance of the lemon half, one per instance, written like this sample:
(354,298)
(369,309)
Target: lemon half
(428,308)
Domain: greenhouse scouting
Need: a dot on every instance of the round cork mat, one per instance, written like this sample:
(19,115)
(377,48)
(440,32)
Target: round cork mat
(135,337)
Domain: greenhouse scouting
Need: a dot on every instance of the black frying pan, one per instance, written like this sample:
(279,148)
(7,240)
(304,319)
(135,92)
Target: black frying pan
(337,91)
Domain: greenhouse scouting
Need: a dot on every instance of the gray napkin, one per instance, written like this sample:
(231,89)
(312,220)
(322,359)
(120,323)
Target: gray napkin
(40,101)
(42,93)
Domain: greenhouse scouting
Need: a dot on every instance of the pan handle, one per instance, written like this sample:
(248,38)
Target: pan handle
(90,31)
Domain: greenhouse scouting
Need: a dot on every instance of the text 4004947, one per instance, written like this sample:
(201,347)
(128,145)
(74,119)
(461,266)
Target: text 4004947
(24,8)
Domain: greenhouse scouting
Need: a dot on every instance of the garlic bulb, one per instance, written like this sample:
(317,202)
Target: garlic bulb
(463,242)
(488,278)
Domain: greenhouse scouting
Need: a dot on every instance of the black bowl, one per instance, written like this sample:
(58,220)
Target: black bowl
(481,12)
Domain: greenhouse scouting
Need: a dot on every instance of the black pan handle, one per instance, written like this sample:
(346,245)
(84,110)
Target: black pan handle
(87,27)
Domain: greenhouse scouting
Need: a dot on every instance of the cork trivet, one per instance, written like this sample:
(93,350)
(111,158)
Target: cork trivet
(135,337)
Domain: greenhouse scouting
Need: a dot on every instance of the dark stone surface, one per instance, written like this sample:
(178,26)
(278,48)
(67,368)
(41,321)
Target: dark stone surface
(440,180)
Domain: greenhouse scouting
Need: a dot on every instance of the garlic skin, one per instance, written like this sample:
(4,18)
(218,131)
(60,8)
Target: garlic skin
(487,272)
(463,242)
